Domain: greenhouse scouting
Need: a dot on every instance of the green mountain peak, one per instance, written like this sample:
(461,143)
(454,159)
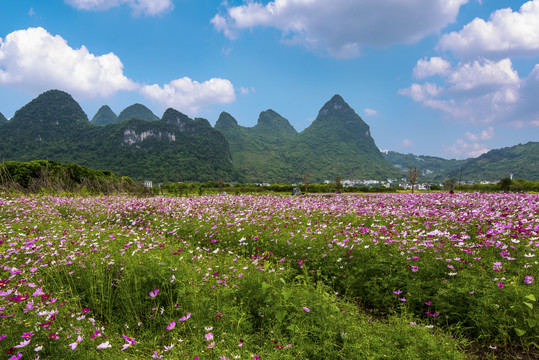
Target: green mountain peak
(174,117)
(226,122)
(271,122)
(104,116)
(3,119)
(53,107)
(137,111)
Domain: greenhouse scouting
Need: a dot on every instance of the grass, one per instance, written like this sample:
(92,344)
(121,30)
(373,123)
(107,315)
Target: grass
(396,276)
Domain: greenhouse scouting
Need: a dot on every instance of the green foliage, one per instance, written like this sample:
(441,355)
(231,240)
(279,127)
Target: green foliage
(53,177)
(3,119)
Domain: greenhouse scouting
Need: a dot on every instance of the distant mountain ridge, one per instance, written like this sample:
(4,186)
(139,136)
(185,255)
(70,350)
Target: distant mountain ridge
(338,143)
(3,119)
(519,161)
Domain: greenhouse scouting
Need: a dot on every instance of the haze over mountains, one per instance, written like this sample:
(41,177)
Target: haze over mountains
(138,144)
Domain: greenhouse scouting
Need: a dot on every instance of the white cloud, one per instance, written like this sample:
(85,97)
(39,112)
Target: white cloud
(434,66)
(35,61)
(505,33)
(246,91)
(463,150)
(371,112)
(148,7)
(482,92)
(472,75)
(486,134)
(421,93)
(342,27)
(189,96)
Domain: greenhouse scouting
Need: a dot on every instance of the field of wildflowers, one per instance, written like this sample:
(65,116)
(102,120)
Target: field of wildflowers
(402,276)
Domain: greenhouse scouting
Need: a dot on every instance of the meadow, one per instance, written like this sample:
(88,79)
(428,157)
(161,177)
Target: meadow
(335,276)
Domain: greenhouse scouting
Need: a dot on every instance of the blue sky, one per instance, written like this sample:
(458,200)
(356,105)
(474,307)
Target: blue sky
(434,77)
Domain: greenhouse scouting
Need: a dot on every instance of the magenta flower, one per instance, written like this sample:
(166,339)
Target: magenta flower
(428,303)
(171,325)
(397,292)
(306,309)
(27,335)
(500,285)
(209,336)
(414,268)
(16,357)
(154,293)
(184,318)
(529,280)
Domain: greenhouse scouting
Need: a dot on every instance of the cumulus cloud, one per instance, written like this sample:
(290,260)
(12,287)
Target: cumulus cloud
(189,96)
(481,92)
(485,73)
(434,66)
(342,27)
(505,33)
(35,61)
(148,7)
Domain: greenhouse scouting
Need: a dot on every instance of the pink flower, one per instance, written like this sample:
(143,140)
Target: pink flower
(414,268)
(500,285)
(306,309)
(22,344)
(76,343)
(184,318)
(209,336)
(428,303)
(154,293)
(528,280)
(171,325)
(397,292)
(104,345)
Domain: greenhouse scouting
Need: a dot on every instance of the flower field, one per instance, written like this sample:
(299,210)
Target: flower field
(402,276)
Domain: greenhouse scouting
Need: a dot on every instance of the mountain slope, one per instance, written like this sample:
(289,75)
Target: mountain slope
(3,119)
(431,168)
(521,160)
(137,111)
(338,143)
(104,116)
